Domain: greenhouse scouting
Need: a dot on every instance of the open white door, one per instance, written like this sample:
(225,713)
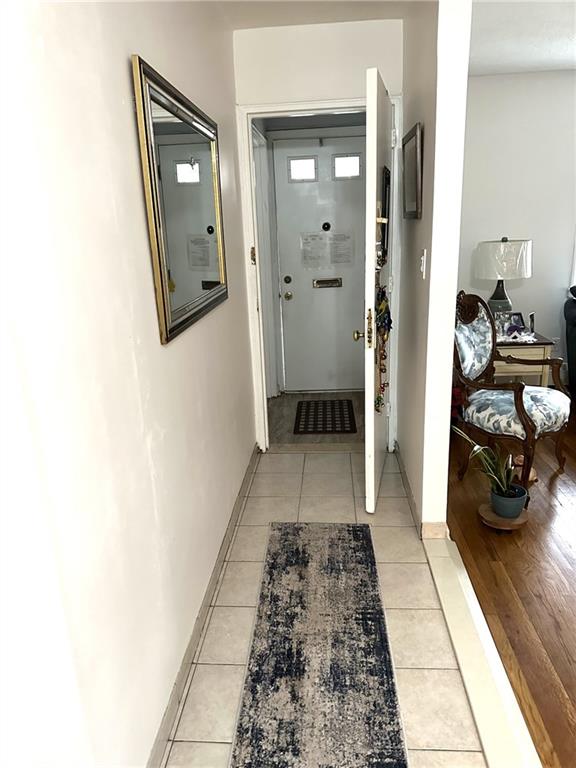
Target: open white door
(379,116)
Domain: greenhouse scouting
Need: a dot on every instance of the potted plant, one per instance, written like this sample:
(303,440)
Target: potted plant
(508,498)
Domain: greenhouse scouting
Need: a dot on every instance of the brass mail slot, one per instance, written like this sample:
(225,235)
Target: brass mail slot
(328,282)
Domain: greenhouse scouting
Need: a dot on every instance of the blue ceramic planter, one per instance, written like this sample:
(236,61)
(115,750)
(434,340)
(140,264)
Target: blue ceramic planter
(509,506)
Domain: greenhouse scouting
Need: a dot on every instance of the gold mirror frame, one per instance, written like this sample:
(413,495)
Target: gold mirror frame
(173,322)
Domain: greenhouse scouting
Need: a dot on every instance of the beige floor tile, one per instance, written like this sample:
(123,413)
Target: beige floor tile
(407,585)
(264,510)
(359,481)
(391,485)
(187,754)
(420,639)
(434,759)
(358,463)
(326,509)
(389,511)
(397,545)
(250,543)
(332,463)
(438,547)
(391,465)
(240,585)
(281,463)
(435,710)
(276,484)
(228,637)
(327,485)
(211,706)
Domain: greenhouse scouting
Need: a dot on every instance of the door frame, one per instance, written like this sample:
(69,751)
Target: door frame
(244,116)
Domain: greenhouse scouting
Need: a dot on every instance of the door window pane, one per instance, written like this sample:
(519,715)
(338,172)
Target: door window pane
(346,166)
(302,169)
(188,173)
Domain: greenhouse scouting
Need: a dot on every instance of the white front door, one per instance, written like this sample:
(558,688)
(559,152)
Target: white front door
(320,205)
(379,121)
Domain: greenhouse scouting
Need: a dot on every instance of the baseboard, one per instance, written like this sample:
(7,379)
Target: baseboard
(437,530)
(434,531)
(505,738)
(157,754)
(409,494)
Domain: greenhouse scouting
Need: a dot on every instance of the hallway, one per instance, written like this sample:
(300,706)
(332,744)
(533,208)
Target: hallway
(316,487)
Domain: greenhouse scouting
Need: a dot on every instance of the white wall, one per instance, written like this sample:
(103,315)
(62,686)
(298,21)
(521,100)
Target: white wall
(520,181)
(435,75)
(419,105)
(125,456)
(307,62)
(454,23)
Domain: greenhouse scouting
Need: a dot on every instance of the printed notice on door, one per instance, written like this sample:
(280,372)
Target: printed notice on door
(198,249)
(326,249)
(341,248)
(314,251)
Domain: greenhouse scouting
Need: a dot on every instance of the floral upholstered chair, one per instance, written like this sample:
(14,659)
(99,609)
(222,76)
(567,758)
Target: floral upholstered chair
(504,411)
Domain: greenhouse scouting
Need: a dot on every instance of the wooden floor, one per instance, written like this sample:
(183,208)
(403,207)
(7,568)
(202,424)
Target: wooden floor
(526,584)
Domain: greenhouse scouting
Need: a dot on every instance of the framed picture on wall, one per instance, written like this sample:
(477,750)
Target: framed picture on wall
(412,172)
(385,210)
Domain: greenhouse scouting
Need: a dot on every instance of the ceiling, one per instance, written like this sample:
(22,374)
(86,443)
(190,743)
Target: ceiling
(522,37)
(510,37)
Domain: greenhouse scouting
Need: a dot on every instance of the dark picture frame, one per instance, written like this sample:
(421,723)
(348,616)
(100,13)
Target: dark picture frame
(412,172)
(507,319)
(386,177)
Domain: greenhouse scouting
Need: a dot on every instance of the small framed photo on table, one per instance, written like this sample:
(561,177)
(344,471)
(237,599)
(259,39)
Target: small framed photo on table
(517,320)
(508,320)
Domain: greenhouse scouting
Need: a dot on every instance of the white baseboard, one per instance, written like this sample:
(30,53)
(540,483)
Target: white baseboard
(157,754)
(503,733)
(409,494)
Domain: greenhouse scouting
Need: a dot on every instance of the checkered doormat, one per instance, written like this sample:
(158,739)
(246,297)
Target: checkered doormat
(324,417)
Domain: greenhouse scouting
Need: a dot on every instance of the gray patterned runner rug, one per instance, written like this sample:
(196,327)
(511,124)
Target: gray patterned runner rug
(319,691)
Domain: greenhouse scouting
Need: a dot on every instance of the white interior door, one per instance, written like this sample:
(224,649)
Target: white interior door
(320,212)
(379,115)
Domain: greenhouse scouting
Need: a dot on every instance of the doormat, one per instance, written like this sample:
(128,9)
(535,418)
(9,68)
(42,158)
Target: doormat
(324,417)
(320,687)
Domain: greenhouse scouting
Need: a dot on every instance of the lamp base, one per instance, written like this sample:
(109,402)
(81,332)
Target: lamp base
(499,301)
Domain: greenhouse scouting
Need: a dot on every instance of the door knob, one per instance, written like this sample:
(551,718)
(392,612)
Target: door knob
(288,295)
(357,335)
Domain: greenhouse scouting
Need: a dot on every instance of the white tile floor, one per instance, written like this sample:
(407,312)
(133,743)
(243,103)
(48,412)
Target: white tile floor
(328,487)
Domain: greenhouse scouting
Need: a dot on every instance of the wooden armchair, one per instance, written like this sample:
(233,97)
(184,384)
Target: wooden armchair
(513,412)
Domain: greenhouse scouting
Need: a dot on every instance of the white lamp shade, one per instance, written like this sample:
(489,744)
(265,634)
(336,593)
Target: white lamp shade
(503,260)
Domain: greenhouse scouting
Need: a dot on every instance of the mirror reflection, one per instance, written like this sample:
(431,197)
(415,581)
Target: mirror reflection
(183,198)
(189,211)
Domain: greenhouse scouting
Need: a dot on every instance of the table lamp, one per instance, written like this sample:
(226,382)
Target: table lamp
(502,260)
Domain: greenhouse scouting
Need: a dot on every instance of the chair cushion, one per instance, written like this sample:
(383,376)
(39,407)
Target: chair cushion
(493,411)
(474,344)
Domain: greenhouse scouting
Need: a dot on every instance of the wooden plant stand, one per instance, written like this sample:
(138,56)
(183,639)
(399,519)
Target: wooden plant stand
(492,520)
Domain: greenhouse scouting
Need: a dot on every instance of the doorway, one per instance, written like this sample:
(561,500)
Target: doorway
(382,117)
(309,192)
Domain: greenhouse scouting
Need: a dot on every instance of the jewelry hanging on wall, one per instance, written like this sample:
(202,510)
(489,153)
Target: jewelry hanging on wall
(383,328)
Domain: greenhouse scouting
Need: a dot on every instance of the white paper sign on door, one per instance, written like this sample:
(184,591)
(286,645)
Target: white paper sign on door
(313,250)
(198,250)
(341,248)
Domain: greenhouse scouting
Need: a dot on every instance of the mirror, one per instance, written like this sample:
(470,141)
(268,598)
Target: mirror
(179,152)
